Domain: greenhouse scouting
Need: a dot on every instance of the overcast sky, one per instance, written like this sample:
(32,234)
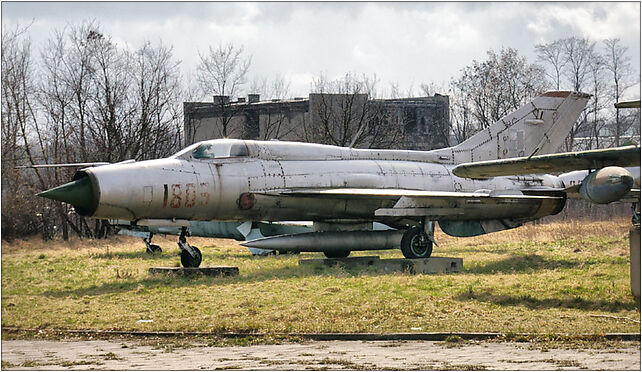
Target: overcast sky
(407,43)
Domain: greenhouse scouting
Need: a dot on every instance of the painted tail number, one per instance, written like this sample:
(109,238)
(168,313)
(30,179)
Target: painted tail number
(186,195)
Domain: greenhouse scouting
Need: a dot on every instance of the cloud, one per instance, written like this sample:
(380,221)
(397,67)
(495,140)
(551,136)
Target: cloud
(596,21)
(409,43)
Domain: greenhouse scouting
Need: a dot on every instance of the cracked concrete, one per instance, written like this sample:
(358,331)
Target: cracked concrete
(334,355)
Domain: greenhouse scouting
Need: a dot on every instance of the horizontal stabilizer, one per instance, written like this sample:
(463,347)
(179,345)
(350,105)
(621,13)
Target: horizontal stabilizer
(626,156)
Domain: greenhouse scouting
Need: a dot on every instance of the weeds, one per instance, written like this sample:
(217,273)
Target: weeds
(110,356)
(454,341)
(6,365)
(31,364)
(71,363)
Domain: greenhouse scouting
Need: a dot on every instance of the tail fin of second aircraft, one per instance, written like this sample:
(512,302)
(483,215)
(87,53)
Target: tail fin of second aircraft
(538,127)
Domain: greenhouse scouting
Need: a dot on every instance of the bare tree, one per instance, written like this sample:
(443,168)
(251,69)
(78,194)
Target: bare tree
(109,104)
(86,100)
(487,91)
(342,114)
(156,99)
(21,213)
(109,128)
(430,89)
(222,72)
(57,98)
(274,121)
(395,91)
(462,120)
(618,64)
(579,53)
(553,54)
(595,110)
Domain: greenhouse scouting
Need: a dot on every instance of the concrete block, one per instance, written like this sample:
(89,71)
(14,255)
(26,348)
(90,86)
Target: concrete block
(346,262)
(431,265)
(189,271)
(634,246)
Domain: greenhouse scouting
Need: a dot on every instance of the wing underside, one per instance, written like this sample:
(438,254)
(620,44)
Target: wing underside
(418,203)
(350,193)
(626,156)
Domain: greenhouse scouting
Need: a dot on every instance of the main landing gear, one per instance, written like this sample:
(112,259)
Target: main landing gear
(417,242)
(152,248)
(190,255)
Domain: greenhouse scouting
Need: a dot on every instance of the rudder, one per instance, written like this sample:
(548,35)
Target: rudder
(537,127)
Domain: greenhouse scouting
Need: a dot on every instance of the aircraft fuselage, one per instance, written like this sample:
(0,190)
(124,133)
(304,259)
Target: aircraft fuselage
(246,189)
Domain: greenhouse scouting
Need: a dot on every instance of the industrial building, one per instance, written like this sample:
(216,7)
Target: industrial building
(421,123)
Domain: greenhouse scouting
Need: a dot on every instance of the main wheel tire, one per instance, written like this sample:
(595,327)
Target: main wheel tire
(336,254)
(416,244)
(188,261)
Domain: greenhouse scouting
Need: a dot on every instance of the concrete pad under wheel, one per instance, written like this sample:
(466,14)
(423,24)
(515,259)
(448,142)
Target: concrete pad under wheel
(432,265)
(188,271)
(347,261)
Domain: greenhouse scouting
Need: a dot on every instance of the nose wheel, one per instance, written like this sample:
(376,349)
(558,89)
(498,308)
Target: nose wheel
(190,255)
(151,248)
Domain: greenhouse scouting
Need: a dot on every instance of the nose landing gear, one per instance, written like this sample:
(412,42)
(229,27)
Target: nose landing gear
(152,248)
(190,255)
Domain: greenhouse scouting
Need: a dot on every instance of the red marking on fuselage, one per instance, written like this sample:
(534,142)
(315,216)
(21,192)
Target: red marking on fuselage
(176,196)
(190,195)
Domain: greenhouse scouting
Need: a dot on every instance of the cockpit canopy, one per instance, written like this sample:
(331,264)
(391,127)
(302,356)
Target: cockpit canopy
(215,149)
(227,148)
(212,149)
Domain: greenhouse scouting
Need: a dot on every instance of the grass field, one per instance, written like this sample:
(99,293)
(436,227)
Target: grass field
(550,278)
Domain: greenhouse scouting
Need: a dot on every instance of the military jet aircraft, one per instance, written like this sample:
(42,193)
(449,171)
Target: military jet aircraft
(490,182)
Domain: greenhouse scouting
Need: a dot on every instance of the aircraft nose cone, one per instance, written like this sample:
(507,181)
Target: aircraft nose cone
(78,193)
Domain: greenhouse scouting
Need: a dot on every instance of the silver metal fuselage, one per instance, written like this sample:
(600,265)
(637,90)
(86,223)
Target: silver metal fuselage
(246,188)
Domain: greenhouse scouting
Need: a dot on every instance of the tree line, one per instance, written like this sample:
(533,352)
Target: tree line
(82,97)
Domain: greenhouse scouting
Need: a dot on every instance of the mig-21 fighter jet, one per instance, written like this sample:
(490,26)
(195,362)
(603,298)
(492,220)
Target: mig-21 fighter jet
(493,181)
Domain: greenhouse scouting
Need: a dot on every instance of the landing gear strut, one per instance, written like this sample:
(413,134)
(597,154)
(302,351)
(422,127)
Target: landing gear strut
(190,255)
(151,248)
(417,242)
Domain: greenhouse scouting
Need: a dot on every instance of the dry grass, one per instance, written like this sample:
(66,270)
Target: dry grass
(548,278)
(535,232)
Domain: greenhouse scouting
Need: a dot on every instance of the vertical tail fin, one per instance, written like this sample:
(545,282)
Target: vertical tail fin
(538,127)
